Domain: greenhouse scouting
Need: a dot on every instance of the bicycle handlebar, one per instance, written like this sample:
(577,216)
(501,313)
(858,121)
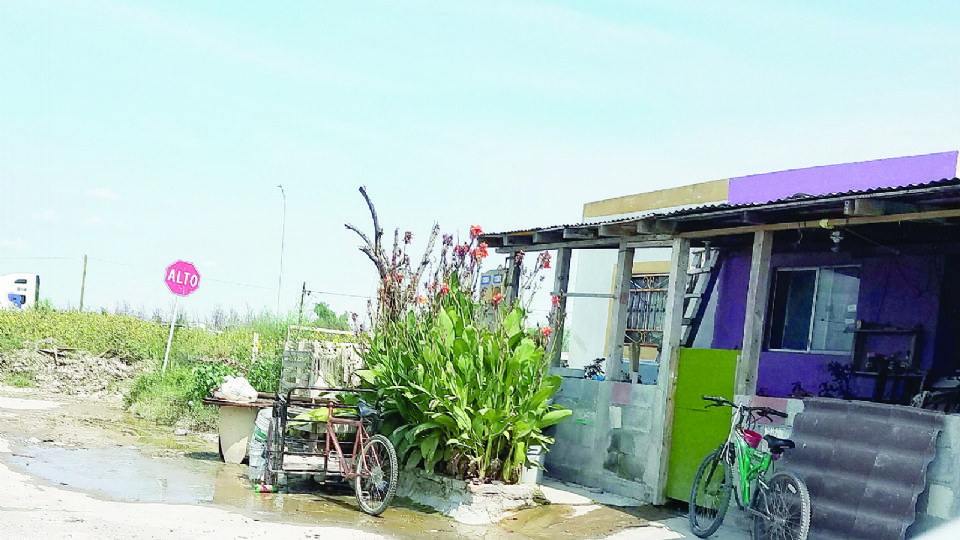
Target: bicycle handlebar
(763,411)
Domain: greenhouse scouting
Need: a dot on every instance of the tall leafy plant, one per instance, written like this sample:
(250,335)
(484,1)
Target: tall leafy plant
(463,384)
(459,392)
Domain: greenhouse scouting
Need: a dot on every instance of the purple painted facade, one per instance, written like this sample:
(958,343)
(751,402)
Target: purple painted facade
(901,291)
(893,172)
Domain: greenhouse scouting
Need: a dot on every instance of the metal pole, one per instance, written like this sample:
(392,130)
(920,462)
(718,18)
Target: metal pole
(283,233)
(173,321)
(83,281)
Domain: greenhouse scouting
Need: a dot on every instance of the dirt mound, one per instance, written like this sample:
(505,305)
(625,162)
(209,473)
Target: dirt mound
(68,371)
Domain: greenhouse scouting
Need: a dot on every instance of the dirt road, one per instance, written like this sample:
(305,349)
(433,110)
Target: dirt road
(34,508)
(71,467)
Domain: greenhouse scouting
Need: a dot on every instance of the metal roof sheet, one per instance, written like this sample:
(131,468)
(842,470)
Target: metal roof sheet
(704,211)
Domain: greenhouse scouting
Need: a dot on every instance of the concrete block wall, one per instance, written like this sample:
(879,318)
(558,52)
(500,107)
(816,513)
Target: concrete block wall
(612,440)
(940,499)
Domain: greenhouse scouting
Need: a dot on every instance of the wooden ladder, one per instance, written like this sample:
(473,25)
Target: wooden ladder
(703,271)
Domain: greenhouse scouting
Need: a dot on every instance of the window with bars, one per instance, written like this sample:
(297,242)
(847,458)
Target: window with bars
(646,309)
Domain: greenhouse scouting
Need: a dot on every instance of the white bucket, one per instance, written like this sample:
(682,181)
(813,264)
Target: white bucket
(257,446)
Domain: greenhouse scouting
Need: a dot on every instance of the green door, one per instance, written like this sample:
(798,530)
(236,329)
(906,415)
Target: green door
(697,431)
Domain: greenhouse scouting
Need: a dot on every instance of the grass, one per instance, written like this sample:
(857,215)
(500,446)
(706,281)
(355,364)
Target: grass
(198,358)
(21,379)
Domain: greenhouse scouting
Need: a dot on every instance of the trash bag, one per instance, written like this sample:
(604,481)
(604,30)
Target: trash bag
(235,389)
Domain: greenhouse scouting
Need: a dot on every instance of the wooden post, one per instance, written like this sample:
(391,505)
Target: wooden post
(758,293)
(173,321)
(670,354)
(618,326)
(561,280)
(514,269)
(83,281)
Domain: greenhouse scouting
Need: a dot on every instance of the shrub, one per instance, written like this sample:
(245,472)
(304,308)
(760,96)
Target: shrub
(461,382)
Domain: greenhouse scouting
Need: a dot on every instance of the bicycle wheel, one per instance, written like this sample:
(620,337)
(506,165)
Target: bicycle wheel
(271,469)
(376,480)
(710,495)
(786,505)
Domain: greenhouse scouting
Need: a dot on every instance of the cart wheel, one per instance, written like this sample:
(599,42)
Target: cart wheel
(274,450)
(376,480)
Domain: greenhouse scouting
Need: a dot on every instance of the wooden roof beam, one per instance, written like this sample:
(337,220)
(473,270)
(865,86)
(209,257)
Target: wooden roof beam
(547,236)
(656,226)
(618,229)
(579,233)
(876,207)
(517,239)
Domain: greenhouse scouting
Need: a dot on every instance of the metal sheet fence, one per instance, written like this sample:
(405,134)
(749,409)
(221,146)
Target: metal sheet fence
(864,463)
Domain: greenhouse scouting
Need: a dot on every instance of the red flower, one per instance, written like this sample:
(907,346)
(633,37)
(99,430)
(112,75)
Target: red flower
(497,298)
(544,259)
(481,251)
(399,278)
(444,289)
(556,301)
(546,331)
(475,231)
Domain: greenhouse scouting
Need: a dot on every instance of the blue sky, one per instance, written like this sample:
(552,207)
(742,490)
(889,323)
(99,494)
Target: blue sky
(140,133)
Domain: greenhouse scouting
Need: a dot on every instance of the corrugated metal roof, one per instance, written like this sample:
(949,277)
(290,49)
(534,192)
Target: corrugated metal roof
(805,198)
(865,465)
(707,211)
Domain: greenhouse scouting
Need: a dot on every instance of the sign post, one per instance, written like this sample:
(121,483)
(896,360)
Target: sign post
(182,279)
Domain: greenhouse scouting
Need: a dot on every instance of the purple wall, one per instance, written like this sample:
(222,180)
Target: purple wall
(901,291)
(901,171)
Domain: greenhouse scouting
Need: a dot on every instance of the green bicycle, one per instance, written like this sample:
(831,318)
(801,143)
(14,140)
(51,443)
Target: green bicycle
(779,502)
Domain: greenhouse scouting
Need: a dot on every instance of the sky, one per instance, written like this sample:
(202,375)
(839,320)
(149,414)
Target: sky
(140,133)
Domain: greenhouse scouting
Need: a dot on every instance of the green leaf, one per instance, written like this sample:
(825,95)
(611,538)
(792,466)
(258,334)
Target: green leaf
(429,447)
(367,376)
(553,417)
(446,326)
(548,387)
(414,459)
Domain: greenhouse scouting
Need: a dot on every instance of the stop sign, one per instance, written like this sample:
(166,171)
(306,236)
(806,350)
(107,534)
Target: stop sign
(182,278)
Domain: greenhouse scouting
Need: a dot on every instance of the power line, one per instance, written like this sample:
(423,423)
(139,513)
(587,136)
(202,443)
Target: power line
(340,294)
(39,258)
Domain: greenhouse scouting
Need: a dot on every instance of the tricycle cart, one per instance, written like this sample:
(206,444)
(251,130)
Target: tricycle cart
(313,431)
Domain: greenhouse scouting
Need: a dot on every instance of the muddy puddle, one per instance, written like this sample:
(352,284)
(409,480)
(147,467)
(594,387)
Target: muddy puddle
(127,473)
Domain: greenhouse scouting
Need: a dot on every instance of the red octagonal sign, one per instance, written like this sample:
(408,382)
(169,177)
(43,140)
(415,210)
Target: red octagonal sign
(182,278)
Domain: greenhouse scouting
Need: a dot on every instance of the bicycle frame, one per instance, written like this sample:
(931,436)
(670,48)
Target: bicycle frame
(332,444)
(752,464)
(347,462)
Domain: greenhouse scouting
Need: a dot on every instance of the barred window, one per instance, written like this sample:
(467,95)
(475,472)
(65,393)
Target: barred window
(646,309)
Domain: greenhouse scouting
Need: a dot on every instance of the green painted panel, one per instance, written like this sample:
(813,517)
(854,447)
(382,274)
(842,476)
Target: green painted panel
(697,431)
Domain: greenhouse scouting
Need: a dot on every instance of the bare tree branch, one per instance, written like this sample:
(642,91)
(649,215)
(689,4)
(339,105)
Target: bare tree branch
(377,231)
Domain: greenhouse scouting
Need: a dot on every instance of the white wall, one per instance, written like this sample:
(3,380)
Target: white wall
(588,318)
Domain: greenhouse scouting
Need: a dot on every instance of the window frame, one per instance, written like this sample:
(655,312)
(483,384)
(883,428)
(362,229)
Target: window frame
(641,333)
(813,307)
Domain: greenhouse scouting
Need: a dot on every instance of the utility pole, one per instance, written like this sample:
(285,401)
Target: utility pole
(303,293)
(283,233)
(83,281)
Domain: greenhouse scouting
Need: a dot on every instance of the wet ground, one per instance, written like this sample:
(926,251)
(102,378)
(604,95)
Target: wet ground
(103,451)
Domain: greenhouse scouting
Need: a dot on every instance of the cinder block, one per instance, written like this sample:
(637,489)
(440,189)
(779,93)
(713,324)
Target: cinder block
(940,502)
(943,469)
(570,389)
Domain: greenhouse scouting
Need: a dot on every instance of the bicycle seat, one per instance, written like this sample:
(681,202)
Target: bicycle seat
(778,445)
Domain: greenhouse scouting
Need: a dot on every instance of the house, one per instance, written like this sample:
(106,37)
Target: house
(836,281)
